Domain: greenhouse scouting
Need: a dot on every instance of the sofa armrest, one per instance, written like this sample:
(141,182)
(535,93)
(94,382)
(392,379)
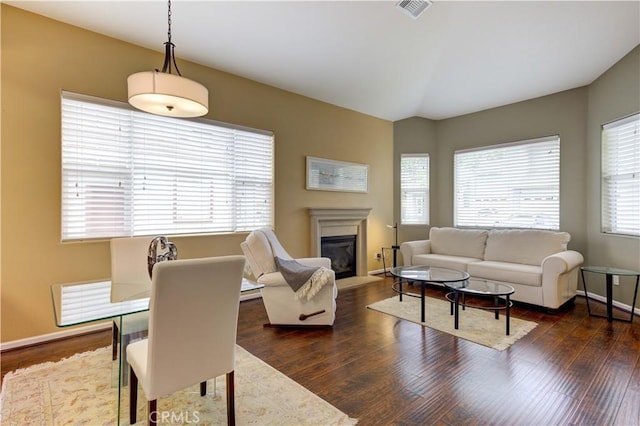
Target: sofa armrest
(560,278)
(411,248)
(562,262)
(316,261)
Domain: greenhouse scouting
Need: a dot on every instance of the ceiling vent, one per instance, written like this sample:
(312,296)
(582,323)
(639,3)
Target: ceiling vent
(413,8)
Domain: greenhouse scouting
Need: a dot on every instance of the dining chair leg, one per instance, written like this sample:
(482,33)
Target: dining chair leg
(203,388)
(153,412)
(133,396)
(114,344)
(231,405)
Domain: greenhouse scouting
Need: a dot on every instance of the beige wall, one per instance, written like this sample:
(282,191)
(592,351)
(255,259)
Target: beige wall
(614,95)
(41,57)
(576,115)
(559,114)
(415,135)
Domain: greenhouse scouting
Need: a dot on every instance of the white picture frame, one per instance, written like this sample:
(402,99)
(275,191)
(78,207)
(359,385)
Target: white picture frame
(332,175)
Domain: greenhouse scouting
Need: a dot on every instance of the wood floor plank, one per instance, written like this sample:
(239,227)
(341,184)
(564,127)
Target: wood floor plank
(571,369)
(629,411)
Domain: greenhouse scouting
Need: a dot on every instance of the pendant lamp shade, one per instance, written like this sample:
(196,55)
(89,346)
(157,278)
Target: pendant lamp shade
(162,92)
(167,94)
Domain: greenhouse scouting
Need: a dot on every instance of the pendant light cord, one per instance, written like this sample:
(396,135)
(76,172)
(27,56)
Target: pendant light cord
(169,21)
(169,55)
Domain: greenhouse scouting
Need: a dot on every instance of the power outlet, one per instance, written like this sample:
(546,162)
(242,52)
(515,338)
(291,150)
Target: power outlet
(616,280)
(378,256)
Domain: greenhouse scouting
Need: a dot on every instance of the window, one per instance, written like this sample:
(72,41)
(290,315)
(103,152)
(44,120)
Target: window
(621,176)
(126,172)
(414,189)
(515,185)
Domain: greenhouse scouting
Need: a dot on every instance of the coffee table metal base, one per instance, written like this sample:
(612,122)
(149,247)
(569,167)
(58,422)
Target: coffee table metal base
(457,299)
(424,275)
(397,287)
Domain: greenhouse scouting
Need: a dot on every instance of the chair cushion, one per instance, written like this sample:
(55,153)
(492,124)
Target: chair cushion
(524,246)
(458,242)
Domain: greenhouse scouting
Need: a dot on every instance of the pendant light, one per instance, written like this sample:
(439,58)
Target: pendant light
(165,93)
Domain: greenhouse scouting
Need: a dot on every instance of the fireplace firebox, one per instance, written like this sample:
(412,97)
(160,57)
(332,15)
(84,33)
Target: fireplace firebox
(341,249)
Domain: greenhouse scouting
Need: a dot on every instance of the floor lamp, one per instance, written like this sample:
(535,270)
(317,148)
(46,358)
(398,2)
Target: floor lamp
(395,247)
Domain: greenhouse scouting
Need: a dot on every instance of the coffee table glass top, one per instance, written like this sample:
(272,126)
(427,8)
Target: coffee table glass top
(481,287)
(429,274)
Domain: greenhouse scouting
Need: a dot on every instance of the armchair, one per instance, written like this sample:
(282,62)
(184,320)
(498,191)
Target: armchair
(283,308)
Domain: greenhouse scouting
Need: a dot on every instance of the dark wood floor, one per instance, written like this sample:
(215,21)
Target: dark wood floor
(572,369)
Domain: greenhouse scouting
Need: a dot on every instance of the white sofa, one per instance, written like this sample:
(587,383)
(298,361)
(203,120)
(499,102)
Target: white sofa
(535,263)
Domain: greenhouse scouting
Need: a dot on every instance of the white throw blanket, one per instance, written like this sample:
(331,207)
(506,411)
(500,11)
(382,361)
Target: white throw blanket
(305,281)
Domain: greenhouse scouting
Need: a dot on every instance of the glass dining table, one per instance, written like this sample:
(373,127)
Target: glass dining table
(82,303)
(86,302)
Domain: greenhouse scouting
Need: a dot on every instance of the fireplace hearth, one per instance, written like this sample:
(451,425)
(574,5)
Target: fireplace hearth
(341,249)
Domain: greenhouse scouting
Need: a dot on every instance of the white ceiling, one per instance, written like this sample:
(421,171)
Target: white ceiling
(369,56)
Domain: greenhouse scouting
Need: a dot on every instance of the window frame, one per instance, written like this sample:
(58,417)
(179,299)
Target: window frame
(522,206)
(248,168)
(418,188)
(629,172)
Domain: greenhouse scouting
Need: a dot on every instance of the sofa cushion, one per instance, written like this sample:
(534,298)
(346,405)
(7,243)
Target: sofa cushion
(525,246)
(507,272)
(458,242)
(443,260)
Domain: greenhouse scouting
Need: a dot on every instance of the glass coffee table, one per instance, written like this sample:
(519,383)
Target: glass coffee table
(424,275)
(500,293)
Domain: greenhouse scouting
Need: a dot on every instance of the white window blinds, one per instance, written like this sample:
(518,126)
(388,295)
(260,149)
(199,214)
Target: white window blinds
(126,172)
(414,189)
(621,176)
(90,301)
(514,185)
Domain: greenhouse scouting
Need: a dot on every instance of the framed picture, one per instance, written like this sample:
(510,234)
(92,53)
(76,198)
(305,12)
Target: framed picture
(330,175)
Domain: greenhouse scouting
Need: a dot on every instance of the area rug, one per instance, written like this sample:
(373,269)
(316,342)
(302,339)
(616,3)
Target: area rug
(476,325)
(78,391)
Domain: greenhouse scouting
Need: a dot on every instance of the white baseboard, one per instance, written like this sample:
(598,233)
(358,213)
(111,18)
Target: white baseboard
(29,341)
(616,304)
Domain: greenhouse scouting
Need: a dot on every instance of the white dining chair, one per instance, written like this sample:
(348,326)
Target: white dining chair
(193,320)
(129,280)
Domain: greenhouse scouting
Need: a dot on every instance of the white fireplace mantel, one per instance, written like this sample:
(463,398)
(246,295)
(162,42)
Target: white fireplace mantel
(327,222)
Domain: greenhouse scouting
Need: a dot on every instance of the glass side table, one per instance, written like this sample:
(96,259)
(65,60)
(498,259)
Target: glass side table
(609,273)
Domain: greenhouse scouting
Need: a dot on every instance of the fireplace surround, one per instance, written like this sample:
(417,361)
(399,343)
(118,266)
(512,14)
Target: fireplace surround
(330,222)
